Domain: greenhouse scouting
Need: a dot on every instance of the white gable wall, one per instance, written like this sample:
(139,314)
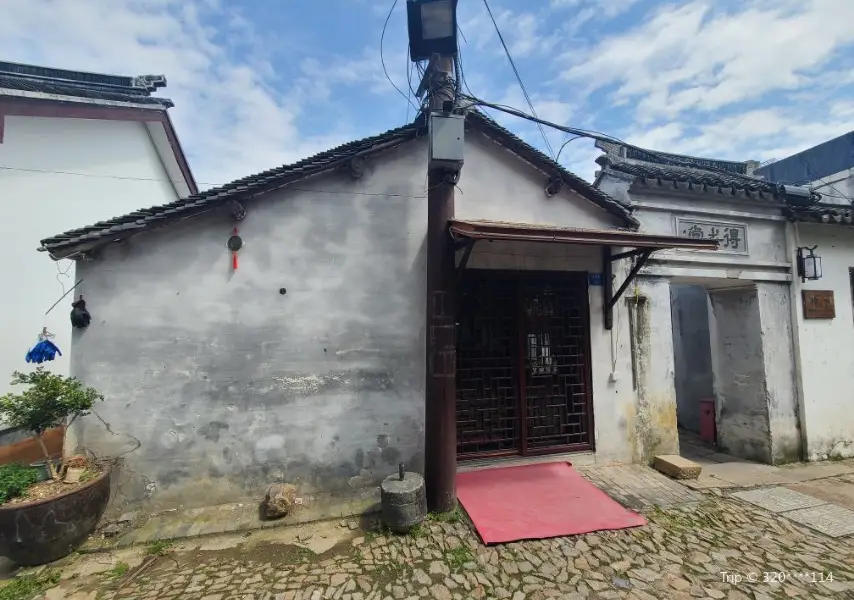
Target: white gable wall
(499,186)
(62,173)
(826,346)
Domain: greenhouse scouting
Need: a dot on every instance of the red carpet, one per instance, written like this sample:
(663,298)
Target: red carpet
(538,501)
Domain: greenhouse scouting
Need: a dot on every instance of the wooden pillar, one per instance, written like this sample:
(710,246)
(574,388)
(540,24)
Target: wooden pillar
(440,469)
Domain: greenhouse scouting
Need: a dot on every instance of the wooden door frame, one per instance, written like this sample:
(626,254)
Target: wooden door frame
(519,277)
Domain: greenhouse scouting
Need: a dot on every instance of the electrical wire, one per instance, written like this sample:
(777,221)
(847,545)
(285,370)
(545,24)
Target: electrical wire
(382,58)
(811,173)
(572,139)
(61,273)
(459,61)
(153,179)
(462,73)
(409,83)
(518,76)
(595,135)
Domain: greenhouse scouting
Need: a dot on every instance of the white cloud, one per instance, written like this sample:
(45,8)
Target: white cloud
(547,107)
(525,32)
(755,79)
(701,56)
(233,113)
(759,134)
(587,11)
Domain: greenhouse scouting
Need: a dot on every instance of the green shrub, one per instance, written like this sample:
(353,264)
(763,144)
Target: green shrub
(27,587)
(49,400)
(14,479)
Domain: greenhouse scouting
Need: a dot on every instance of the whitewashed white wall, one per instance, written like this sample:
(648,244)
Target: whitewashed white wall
(763,270)
(116,170)
(219,354)
(497,185)
(826,347)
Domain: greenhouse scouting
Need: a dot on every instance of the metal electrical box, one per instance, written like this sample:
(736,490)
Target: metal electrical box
(447,138)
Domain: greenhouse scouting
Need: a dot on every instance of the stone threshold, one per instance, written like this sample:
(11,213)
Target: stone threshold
(577,459)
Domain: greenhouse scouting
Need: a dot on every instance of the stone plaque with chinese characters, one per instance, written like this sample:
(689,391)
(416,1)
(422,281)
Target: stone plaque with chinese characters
(732,236)
(819,304)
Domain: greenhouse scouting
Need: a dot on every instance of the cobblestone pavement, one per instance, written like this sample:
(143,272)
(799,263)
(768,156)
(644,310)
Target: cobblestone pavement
(720,548)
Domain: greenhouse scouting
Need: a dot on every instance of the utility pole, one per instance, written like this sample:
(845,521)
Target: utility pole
(440,469)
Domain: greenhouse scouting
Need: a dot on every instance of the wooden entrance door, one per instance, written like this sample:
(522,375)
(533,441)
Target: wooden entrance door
(523,364)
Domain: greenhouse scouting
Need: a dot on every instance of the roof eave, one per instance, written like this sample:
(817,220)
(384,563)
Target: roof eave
(72,243)
(161,104)
(641,184)
(526,232)
(75,247)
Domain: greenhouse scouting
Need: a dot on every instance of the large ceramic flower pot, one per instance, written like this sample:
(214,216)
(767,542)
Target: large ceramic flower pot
(39,532)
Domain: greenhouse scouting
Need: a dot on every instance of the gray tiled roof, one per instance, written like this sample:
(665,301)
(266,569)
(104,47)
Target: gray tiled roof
(822,213)
(78,84)
(721,182)
(85,238)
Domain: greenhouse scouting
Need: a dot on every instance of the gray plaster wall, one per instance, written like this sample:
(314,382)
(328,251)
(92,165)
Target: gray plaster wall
(740,379)
(658,206)
(229,385)
(778,355)
(692,354)
(654,422)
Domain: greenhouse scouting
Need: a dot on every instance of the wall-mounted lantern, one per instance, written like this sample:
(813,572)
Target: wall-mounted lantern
(809,265)
(432,28)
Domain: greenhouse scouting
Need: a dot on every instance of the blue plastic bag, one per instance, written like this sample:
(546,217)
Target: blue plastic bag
(43,351)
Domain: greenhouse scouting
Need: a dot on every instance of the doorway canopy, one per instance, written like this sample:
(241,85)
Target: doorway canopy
(631,244)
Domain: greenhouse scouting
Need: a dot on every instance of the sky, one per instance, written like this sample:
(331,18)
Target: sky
(261,83)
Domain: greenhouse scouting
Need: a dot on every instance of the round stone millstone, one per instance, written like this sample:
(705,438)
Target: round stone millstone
(404,502)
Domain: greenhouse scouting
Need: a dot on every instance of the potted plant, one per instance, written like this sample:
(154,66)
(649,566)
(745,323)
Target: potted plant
(50,526)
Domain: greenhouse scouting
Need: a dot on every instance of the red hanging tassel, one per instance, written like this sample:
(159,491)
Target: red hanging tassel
(235,244)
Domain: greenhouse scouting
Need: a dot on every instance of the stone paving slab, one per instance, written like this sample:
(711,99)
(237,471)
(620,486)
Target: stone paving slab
(639,487)
(809,472)
(743,474)
(834,490)
(831,520)
(778,499)
(707,482)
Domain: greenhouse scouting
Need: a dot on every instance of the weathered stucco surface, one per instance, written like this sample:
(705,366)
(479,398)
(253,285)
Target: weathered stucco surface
(778,354)
(757,414)
(229,384)
(691,352)
(655,427)
(749,331)
(497,185)
(740,385)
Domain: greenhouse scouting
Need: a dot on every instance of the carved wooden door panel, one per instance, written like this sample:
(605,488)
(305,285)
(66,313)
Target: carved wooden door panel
(523,364)
(556,394)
